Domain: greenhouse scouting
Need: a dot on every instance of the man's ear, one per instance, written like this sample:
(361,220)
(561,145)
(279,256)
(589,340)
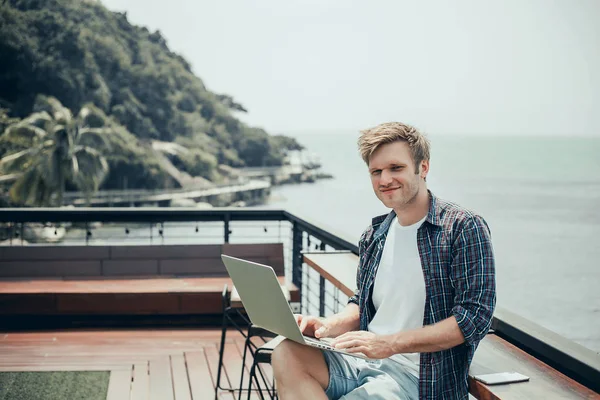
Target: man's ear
(424,170)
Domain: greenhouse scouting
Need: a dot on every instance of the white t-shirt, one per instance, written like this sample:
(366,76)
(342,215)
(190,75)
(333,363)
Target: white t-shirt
(399,289)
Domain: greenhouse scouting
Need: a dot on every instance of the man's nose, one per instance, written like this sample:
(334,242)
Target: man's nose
(386,178)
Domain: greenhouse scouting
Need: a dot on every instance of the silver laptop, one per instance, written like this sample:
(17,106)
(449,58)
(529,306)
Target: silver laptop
(266,305)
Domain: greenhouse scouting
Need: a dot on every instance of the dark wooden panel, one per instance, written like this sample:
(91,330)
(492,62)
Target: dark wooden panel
(294,292)
(117,303)
(130,267)
(244,250)
(41,303)
(118,296)
(49,268)
(201,303)
(277,263)
(57,253)
(165,251)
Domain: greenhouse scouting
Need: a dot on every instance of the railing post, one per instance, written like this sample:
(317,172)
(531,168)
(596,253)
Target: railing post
(321,296)
(11,234)
(297,256)
(226,227)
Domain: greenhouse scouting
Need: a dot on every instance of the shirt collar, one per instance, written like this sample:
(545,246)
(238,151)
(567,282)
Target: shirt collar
(382,223)
(435,210)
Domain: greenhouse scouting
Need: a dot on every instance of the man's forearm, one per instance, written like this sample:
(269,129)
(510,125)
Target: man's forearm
(437,337)
(345,321)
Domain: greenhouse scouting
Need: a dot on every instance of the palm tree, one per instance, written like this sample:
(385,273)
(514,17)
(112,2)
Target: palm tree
(54,148)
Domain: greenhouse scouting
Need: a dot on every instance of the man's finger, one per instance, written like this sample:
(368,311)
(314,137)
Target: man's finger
(321,332)
(346,344)
(347,336)
(298,318)
(358,349)
(303,324)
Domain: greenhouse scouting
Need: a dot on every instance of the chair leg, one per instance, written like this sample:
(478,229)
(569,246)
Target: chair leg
(221,352)
(253,376)
(247,343)
(270,389)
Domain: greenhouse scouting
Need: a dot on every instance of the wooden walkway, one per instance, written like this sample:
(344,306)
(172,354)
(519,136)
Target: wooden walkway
(144,364)
(125,197)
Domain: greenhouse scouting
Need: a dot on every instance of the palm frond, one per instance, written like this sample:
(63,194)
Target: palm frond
(30,189)
(9,177)
(94,137)
(93,169)
(38,119)
(74,166)
(62,114)
(15,156)
(17,162)
(23,135)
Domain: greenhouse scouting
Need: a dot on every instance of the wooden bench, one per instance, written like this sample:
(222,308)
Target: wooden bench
(123,280)
(494,354)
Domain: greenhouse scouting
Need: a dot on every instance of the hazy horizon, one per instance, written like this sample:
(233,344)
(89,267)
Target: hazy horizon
(465,67)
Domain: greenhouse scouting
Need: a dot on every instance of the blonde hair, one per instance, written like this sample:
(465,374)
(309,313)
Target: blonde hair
(389,132)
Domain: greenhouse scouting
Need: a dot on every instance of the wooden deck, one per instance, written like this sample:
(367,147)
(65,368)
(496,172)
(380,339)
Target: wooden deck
(124,280)
(144,364)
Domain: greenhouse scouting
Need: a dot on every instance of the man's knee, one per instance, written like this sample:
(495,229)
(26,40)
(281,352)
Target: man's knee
(287,354)
(292,361)
(290,358)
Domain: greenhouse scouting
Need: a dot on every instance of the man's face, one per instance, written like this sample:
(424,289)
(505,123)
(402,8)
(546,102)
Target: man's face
(393,176)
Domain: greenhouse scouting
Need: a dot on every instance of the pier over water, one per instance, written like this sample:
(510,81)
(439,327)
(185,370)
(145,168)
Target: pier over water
(251,191)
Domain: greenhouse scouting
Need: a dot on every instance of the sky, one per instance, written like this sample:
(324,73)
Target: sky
(471,67)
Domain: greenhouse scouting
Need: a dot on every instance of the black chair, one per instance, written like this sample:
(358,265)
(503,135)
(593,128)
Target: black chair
(234,315)
(262,355)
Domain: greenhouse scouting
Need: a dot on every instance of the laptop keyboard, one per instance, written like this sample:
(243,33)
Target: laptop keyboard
(318,343)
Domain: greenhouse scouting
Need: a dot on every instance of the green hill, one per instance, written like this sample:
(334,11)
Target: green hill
(79,52)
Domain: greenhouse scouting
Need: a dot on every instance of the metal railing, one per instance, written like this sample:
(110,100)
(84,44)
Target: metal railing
(163,226)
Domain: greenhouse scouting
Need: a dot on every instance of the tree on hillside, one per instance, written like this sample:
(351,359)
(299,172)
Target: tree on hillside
(51,148)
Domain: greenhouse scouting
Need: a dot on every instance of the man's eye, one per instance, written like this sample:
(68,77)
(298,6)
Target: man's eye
(396,168)
(376,172)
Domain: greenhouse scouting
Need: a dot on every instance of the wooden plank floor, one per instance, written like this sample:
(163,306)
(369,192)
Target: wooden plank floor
(144,364)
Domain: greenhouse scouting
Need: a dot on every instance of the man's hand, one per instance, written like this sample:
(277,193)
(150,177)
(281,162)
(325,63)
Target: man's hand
(371,345)
(313,326)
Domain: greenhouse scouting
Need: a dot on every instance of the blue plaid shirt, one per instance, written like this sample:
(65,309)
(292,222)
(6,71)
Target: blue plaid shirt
(458,266)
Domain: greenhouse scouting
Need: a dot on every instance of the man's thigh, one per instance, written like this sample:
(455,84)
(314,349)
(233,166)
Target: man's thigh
(343,374)
(354,379)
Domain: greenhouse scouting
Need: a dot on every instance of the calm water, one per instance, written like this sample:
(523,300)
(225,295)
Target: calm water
(540,197)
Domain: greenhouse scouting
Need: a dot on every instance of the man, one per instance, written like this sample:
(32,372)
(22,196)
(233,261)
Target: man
(425,298)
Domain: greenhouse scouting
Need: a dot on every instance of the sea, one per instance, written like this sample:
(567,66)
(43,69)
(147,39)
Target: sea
(539,195)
